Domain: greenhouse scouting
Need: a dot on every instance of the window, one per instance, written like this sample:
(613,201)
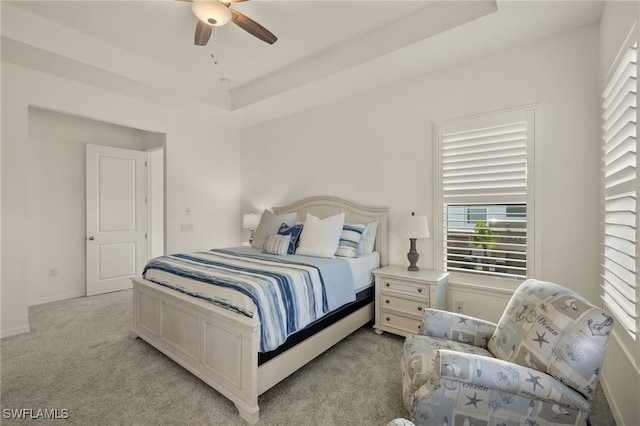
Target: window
(475,214)
(485,190)
(620,203)
(491,243)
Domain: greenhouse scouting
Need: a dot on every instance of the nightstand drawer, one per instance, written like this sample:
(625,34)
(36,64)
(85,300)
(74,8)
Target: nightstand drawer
(409,306)
(407,324)
(409,288)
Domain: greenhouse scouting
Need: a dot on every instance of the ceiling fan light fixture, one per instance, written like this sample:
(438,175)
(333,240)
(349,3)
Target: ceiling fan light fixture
(211,12)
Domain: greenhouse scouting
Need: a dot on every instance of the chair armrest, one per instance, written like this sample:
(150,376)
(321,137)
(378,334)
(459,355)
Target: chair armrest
(458,327)
(503,376)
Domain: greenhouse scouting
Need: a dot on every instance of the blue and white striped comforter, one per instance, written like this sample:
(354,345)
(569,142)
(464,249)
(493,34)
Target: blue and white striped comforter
(288,293)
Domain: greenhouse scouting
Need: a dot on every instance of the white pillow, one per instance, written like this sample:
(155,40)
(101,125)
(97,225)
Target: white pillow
(320,237)
(368,240)
(269,224)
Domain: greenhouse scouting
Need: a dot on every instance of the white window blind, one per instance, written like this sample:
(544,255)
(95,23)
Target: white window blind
(484,182)
(620,204)
(485,165)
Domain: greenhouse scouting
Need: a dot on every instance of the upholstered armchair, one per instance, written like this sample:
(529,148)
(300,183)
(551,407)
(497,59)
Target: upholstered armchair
(538,366)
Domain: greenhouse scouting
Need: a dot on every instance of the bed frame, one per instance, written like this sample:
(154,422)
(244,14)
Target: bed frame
(221,347)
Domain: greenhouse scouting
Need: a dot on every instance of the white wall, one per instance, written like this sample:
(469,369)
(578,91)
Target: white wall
(621,371)
(202,174)
(57,197)
(377,148)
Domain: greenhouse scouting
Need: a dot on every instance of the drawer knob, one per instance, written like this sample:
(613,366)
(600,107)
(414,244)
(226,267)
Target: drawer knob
(387,284)
(388,319)
(387,301)
(419,290)
(419,308)
(420,327)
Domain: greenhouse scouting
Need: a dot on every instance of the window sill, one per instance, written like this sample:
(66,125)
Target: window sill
(483,283)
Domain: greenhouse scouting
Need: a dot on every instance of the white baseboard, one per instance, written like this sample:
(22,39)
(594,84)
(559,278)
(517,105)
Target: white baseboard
(25,328)
(57,298)
(615,410)
(15,331)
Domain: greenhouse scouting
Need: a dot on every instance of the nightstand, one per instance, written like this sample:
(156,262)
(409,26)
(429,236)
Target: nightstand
(402,297)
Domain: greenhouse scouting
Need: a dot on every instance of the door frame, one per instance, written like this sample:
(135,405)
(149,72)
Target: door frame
(155,232)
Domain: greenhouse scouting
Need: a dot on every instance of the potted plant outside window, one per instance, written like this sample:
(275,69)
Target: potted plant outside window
(484,238)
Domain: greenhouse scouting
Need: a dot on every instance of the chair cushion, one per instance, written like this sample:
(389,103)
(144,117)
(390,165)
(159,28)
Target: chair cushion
(417,360)
(552,329)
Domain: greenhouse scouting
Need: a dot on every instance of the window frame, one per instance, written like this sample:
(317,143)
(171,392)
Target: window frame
(532,114)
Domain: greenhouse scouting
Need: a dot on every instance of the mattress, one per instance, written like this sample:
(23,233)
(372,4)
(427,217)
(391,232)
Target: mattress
(363,298)
(361,270)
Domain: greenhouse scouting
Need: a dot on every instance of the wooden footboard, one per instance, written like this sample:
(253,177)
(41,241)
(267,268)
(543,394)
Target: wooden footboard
(221,347)
(216,345)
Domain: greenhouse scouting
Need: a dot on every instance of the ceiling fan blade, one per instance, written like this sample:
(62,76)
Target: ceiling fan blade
(252,27)
(203,32)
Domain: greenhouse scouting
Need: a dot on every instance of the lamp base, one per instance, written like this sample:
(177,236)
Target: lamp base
(413,256)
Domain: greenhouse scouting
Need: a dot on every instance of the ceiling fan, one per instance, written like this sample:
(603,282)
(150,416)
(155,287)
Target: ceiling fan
(215,13)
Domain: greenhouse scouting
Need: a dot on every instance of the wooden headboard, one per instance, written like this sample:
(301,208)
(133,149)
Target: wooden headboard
(325,206)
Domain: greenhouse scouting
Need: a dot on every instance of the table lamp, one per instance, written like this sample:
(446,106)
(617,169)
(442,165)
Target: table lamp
(250,221)
(413,227)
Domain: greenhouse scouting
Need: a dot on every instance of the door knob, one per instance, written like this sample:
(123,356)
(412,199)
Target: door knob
(90,238)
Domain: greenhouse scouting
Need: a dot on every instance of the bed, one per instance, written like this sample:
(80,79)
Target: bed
(222,347)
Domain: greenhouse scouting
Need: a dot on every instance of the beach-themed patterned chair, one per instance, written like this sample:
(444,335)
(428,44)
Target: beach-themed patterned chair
(538,366)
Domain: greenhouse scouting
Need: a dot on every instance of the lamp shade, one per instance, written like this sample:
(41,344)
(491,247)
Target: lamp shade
(211,12)
(414,226)
(250,221)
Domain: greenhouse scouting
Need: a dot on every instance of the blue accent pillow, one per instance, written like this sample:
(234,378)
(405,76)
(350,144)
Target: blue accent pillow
(294,231)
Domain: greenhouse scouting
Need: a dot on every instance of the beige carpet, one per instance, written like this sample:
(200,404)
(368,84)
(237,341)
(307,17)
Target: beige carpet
(80,359)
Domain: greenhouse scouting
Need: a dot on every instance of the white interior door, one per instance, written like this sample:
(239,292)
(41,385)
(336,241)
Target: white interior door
(116,214)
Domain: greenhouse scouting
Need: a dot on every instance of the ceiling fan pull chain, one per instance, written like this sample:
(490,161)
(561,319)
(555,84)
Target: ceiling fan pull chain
(215,38)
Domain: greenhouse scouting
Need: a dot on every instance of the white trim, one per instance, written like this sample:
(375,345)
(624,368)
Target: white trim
(15,331)
(629,41)
(615,410)
(57,298)
(150,199)
(624,347)
(485,290)
(534,251)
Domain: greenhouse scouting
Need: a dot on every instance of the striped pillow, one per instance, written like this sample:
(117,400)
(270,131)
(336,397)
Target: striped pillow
(276,244)
(350,238)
